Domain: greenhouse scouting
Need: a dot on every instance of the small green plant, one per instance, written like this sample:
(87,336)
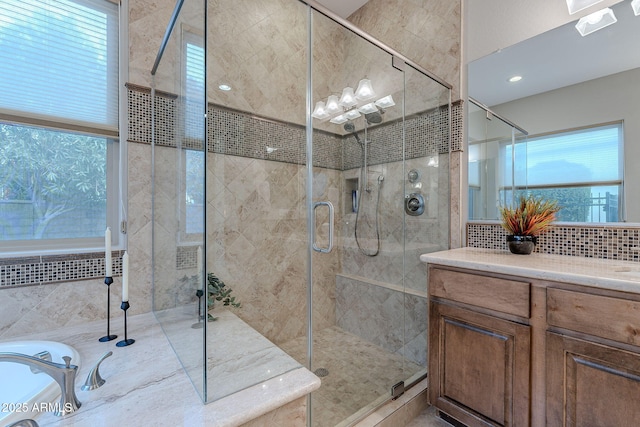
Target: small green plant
(531,216)
(216,291)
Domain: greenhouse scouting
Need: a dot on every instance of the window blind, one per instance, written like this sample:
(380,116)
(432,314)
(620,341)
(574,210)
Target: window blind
(59,63)
(583,156)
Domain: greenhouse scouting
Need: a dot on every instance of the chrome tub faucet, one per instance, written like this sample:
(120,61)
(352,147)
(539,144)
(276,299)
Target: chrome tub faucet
(64,374)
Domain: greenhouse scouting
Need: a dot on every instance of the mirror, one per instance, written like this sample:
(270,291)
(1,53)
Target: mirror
(571,82)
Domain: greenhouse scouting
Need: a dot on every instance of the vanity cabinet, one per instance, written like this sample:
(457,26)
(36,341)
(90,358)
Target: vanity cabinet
(508,350)
(593,362)
(479,364)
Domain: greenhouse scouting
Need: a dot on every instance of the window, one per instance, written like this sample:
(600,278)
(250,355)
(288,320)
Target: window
(58,123)
(582,169)
(194,134)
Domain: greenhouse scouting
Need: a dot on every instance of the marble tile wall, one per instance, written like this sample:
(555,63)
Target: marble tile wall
(256,240)
(255,202)
(425,233)
(386,316)
(426,31)
(147,22)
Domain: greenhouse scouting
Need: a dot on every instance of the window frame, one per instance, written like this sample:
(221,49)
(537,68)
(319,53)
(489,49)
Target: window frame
(190,36)
(116,159)
(619,124)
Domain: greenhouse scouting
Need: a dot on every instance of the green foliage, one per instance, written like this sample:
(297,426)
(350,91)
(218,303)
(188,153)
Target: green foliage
(218,291)
(575,202)
(194,176)
(55,171)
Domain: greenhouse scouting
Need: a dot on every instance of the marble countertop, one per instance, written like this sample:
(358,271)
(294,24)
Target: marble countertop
(602,273)
(147,385)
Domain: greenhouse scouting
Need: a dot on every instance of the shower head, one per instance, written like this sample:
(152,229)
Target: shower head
(351,128)
(374,118)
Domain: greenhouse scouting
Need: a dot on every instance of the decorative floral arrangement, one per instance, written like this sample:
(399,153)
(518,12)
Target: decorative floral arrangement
(532,216)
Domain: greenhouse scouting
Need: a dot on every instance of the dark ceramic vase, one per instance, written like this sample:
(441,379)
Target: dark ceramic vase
(521,245)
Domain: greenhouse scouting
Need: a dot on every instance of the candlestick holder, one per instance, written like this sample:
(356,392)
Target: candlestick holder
(108,281)
(199,325)
(126,341)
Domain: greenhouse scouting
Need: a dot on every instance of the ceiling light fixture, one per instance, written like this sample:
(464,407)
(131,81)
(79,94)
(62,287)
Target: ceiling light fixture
(348,98)
(351,104)
(635,5)
(368,108)
(596,21)
(365,90)
(332,105)
(339,119)
(578,5)
(515,79)
(224,87)
(320,111)
(352,114)
(385,102)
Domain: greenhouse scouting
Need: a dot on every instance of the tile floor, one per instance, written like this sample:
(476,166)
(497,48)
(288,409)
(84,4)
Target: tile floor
(428,418)
(360,373)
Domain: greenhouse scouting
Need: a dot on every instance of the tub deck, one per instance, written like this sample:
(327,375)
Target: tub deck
(145,383)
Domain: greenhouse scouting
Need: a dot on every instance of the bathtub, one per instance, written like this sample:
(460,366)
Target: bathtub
(24,394)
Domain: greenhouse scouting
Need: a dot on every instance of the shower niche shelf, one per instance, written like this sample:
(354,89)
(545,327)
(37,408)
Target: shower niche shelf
(350,195)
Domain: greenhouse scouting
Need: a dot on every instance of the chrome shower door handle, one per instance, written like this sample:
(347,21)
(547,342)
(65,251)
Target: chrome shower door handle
(313,236)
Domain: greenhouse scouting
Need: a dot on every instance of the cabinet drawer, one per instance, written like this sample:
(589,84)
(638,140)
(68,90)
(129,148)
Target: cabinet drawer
(502,295)
(612,318)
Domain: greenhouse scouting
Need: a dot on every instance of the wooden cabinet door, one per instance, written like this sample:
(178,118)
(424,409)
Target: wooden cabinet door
(479,367)
(590,384)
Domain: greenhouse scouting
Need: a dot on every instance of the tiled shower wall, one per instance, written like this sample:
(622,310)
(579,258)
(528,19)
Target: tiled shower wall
(246,137)
(258,215)
(25,306)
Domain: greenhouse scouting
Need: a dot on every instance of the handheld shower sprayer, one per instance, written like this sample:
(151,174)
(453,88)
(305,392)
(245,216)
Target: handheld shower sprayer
(351,128)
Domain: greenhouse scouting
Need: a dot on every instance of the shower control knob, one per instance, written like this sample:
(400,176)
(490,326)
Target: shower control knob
(414,204)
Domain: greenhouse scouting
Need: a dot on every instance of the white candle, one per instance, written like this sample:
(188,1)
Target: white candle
(107,253)
(125,277)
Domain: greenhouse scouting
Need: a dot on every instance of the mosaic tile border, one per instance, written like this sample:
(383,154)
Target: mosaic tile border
(241,134)
(46,269)
(187,257)
(238,133)
(590,241)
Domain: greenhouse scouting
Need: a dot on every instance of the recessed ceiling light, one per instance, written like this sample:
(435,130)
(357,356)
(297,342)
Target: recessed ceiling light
(224,87)
(515,79)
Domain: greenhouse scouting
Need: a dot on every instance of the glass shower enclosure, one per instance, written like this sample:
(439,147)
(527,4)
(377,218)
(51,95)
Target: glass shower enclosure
(497,167)
(284,188)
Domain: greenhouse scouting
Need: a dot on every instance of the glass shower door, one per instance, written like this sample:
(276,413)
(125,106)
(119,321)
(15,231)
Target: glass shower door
(497,162)
(357,289)
(426,223)
(179,162)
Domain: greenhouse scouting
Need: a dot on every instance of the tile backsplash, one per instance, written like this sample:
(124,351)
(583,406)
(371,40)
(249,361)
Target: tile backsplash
(616,242)
(40,270)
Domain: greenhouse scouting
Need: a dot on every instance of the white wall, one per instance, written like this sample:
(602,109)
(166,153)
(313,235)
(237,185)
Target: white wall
(597,101)
(497,24)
